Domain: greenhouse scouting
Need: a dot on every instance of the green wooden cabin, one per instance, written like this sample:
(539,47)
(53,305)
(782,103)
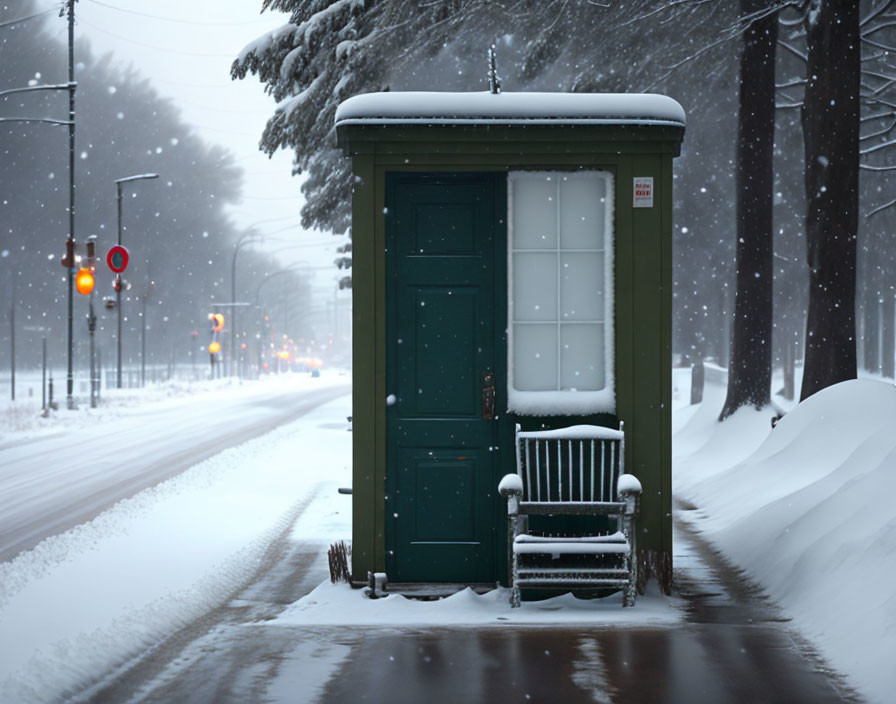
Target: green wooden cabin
(512,264)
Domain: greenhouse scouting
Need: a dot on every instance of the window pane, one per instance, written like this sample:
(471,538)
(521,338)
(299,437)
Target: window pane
(582,357)
(534,211)
(535,357)
(582,286)
(582,211)
(534,286)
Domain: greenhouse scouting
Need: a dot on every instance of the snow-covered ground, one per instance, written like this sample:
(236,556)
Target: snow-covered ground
(340,605)
(63,470)
(82,602)
(22,418)
(807,511)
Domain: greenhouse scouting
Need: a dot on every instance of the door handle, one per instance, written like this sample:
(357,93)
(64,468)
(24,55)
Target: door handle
(488,396)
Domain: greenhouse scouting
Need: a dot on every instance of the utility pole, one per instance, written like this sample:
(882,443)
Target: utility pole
(143,342)
(247,238)
(12,340)
(69,379)
(91,320)
(118,280)
(43,379)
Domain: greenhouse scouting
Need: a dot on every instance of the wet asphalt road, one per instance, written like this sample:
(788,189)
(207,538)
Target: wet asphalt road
(66,488)
(732,647)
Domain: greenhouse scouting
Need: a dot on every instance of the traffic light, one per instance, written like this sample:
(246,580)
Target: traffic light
(68,261)
(217,322)
(116,284)
(84,281)
(91,253)
(214,347)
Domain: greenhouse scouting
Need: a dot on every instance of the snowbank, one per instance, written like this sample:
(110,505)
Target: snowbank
(340,605)
(22,419)
(810,515)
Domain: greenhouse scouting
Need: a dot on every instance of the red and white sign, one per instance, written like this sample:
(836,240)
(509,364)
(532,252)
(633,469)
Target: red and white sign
(643,192)
(117,259)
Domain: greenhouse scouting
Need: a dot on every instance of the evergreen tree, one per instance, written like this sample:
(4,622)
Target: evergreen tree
(175,227)
(331,50)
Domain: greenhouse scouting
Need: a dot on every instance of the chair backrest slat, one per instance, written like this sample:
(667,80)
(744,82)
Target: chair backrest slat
(529,467)
(592,470)
(603,466)
(581,470)
(538,473)
(559,470)
(556,461)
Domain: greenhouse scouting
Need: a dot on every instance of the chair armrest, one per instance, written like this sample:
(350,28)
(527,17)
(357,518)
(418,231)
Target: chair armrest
(511,488)
(628,489)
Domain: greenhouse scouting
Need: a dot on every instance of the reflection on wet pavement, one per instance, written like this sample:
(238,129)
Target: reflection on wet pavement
(695,664)
(732,647)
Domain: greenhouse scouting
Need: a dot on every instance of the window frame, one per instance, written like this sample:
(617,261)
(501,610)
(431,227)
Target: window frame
(565,402)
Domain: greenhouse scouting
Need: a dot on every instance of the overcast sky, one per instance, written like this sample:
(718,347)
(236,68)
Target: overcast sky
(186,48)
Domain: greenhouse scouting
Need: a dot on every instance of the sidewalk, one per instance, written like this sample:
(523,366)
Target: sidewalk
(730,646)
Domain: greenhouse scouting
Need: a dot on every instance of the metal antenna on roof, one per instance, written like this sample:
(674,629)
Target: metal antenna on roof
(494,80)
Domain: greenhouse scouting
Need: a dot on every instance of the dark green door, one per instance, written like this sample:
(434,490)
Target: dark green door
(441,350)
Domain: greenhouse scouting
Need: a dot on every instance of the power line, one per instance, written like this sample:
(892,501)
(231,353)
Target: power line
(218,108)
(194,85)
(7,23)
(270,197)
(153,46)
(174,20)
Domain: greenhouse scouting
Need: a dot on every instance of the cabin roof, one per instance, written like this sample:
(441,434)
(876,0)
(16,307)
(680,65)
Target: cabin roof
(445,108)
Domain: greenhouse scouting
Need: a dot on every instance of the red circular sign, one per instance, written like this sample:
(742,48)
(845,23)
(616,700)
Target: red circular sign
(117,259)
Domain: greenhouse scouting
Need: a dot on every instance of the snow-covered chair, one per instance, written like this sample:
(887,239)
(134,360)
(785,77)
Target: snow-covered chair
(572,471)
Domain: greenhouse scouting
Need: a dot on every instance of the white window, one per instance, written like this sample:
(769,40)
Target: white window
(560,264)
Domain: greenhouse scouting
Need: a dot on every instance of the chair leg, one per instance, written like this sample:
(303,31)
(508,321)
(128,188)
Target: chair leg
(515,590)
(628,594)
(630,589)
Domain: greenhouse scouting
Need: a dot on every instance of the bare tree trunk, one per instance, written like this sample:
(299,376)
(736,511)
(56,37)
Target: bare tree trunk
(750,366)
(869,336)
(888,342)
(830,117)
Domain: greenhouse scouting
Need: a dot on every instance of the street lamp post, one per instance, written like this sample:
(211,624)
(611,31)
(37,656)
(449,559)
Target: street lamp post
(91,325)
(247,238)
(149,288)
(119,182)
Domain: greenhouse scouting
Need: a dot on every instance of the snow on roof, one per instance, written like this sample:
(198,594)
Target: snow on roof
(510,108)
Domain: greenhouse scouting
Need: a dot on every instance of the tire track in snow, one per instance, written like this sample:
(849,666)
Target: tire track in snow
(67,501)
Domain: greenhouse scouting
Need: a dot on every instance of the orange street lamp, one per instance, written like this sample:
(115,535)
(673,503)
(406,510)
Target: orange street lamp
(214,347)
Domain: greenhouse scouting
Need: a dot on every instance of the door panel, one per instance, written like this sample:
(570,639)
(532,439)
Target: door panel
(440,318)
(440,480)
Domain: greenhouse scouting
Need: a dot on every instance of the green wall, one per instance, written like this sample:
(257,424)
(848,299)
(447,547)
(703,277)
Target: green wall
(643,299)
